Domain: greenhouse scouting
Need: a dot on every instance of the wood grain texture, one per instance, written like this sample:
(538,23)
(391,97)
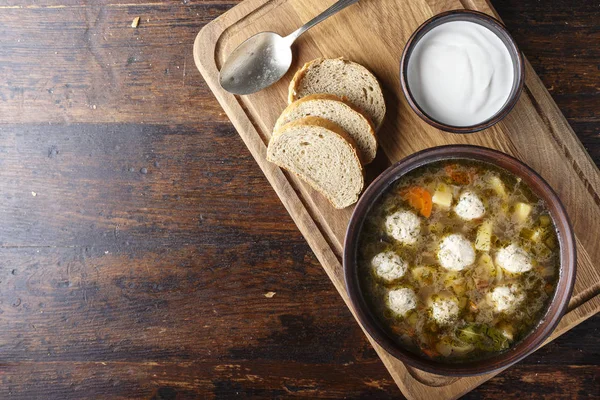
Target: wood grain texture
(115,283)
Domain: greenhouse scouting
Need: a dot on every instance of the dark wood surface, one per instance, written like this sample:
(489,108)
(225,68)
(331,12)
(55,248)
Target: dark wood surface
(138,238)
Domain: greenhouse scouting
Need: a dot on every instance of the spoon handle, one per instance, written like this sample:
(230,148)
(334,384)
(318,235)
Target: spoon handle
(338,6)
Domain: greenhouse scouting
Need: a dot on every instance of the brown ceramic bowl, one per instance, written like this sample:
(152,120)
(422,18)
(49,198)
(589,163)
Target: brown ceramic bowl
(488,22)
(559,300)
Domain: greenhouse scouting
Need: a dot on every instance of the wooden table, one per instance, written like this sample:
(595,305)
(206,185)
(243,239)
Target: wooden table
(139,239)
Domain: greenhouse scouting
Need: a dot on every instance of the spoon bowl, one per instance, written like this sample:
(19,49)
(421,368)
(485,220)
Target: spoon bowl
(257,63)
(264,58)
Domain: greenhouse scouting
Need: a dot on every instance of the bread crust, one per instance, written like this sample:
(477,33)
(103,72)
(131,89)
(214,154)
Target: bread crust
(334,128)
(324,96)
(299,75)
(292,94)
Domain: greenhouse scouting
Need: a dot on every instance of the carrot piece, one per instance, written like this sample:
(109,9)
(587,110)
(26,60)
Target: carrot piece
(430,352)
(418,198)
(459,176)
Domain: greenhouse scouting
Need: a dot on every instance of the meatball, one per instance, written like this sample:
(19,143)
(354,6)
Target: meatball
(444,311)
(389,265)
(505,298)
(401,301)
(469,206)
(404,226)
(456,252)
(514,259)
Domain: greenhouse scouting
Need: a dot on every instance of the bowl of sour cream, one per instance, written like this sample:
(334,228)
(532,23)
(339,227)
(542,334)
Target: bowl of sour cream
(461,71)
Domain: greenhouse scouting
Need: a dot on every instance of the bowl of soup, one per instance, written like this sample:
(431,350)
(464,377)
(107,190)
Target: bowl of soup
(459,260)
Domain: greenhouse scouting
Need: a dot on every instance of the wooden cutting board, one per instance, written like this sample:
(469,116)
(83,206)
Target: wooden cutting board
(373,33)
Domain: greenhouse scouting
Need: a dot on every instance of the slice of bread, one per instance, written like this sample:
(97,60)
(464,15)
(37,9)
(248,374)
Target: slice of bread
(321,153)
(340,112)
(343,78)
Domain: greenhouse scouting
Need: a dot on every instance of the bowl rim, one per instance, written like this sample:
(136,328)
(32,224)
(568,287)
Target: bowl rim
(484,20)
(559,300)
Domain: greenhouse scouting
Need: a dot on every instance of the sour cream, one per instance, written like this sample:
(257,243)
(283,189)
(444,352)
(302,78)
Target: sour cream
(460,73)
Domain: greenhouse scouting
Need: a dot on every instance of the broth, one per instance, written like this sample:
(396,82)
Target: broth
(458,259)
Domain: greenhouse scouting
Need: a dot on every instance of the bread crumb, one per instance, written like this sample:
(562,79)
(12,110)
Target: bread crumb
(33,194)
(135,22)
(269,295)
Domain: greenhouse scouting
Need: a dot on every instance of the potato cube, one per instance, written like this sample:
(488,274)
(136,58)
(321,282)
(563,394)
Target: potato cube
(545,220)
(522,211)
(538,234)
(442,196)
(498,186)
(484,236)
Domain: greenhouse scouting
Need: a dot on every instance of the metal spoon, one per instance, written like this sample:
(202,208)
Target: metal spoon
(264,58)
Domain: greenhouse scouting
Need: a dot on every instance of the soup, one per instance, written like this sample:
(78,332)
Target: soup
(458,259)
